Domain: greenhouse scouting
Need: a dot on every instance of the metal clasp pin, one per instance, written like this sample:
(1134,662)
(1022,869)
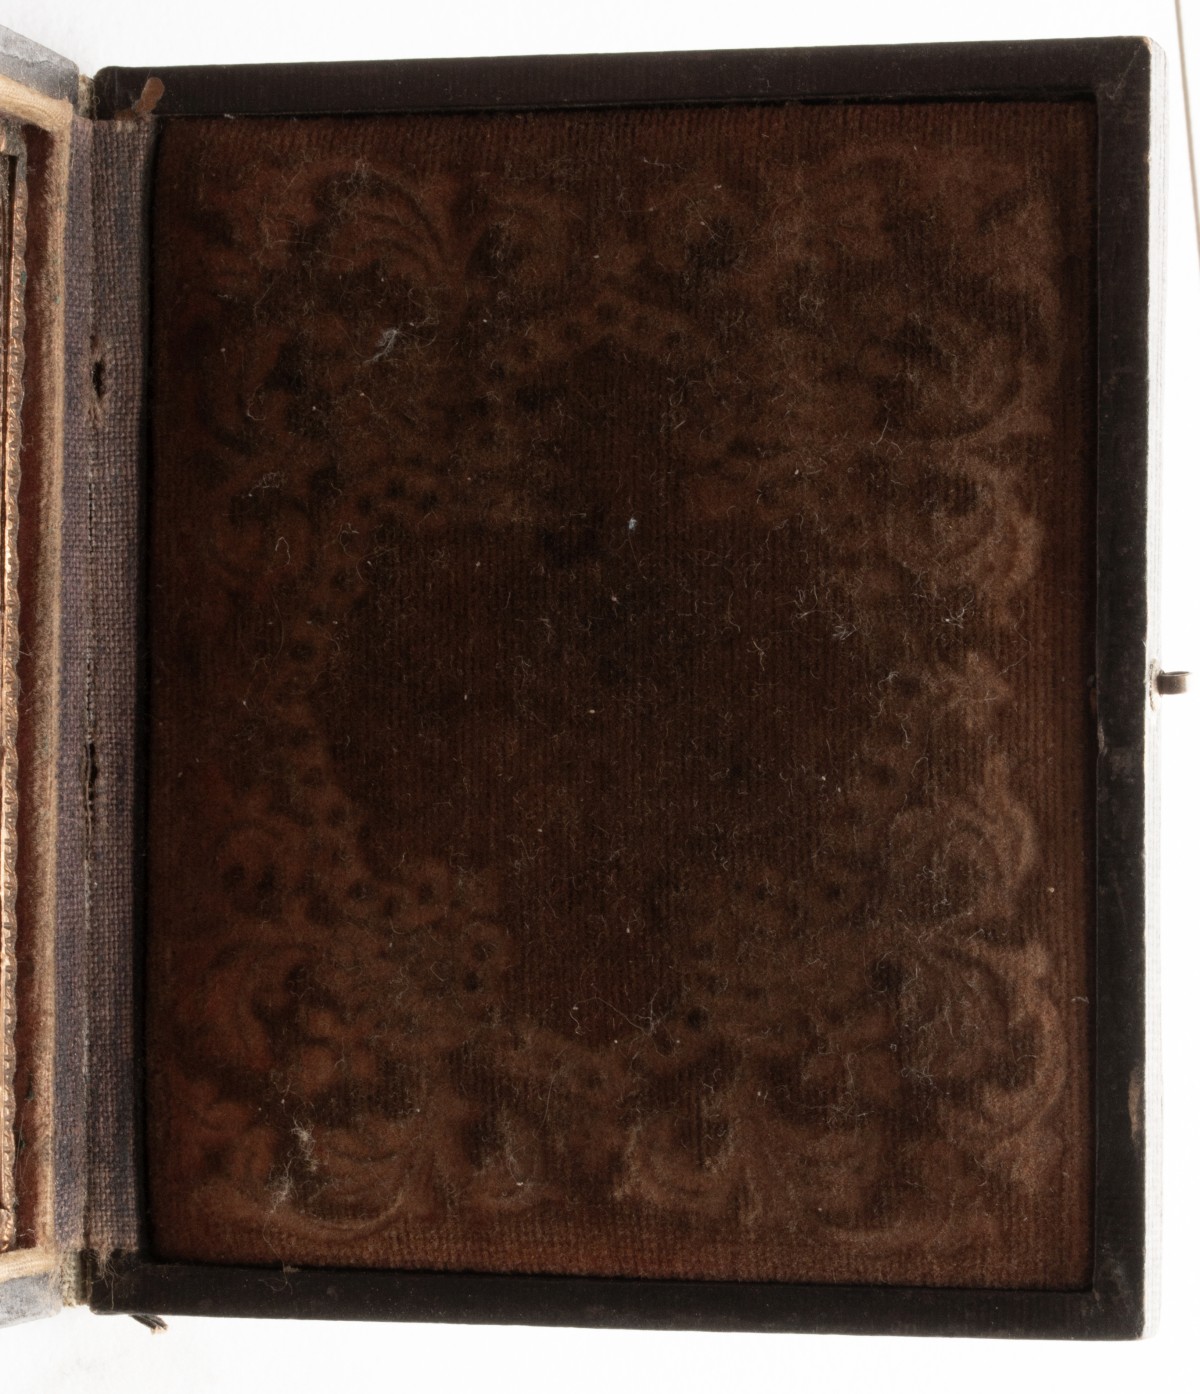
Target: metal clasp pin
(1172,684)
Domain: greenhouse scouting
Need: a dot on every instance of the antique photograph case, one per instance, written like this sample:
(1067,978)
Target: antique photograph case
(579,689)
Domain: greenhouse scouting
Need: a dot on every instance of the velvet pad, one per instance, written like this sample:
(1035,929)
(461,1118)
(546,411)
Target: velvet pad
(621,753)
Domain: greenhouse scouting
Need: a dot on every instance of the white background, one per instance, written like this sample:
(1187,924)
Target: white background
(80,1350)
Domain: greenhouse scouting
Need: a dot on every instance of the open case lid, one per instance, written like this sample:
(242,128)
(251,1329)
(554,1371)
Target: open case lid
(74,1160)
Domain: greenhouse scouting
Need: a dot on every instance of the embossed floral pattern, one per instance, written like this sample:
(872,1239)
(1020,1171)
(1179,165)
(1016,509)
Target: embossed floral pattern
(620,745)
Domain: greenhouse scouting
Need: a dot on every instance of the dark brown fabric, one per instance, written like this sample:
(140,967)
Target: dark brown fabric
(621,759)
(114,382)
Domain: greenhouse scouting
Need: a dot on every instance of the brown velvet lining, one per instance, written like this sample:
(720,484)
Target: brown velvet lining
(620,636)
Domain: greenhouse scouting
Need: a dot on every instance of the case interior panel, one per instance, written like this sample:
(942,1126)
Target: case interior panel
(620,654)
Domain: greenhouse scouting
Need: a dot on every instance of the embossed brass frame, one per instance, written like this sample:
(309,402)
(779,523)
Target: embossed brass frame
(36,112)
(13,212)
